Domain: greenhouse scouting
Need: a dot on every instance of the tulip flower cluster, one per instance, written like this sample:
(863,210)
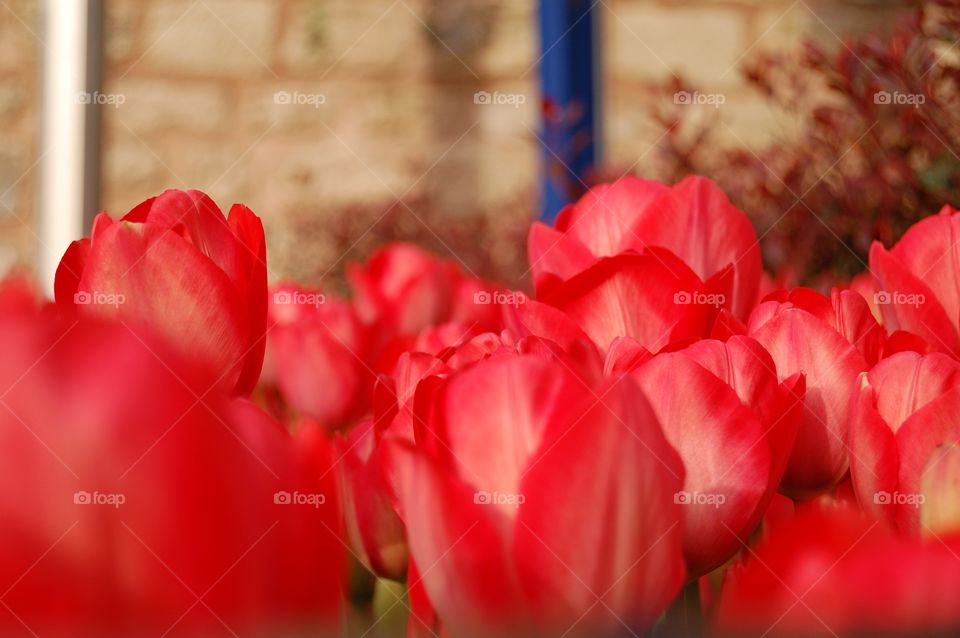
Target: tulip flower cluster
(654,439)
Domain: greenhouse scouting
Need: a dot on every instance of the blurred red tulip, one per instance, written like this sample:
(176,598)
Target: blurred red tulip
(829,572)
(693,219)
(918,281)
(733,424)
(318,356)
(534,503)
(376,533)
(138,499)
(403,290)
(904,411)
(826,340)
(177,268)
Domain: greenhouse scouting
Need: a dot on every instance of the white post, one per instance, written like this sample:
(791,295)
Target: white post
(65,129)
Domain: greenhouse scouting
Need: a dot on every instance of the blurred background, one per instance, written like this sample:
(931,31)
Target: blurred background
(344,123)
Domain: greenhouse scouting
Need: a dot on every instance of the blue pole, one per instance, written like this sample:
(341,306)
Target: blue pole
(569,72)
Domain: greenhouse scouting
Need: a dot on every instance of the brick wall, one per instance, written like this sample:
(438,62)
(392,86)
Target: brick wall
(19,125)
(302,108)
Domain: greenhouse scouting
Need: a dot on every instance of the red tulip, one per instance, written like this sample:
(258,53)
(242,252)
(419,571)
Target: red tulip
(404,290)
(376,533)
(369,479)
(139,500)
(176,267)
(432,340)
(918,282)
(733,424)
(828,572)
(826,340)
(318,356)
(693,219)
(904,411)
(536,503)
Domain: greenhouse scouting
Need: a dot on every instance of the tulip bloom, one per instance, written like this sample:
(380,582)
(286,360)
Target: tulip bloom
(370,481)
(403,290)
(376,533)
(904,412)
(733,425)
(918,282)
(139,500)
(829,340)
(175,267)
(829,572)
(694,220)
(318,356)
(531,506)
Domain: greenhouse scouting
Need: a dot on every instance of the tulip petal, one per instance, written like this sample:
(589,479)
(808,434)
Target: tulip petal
(930,427)
(929,250)
(630,295)
(496,414)
(799,342)
(873,455)
(725,452)
(462,555)
(605,218)
(696,221)
(250,277)
(580,535)
(555,257)
(928,319)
